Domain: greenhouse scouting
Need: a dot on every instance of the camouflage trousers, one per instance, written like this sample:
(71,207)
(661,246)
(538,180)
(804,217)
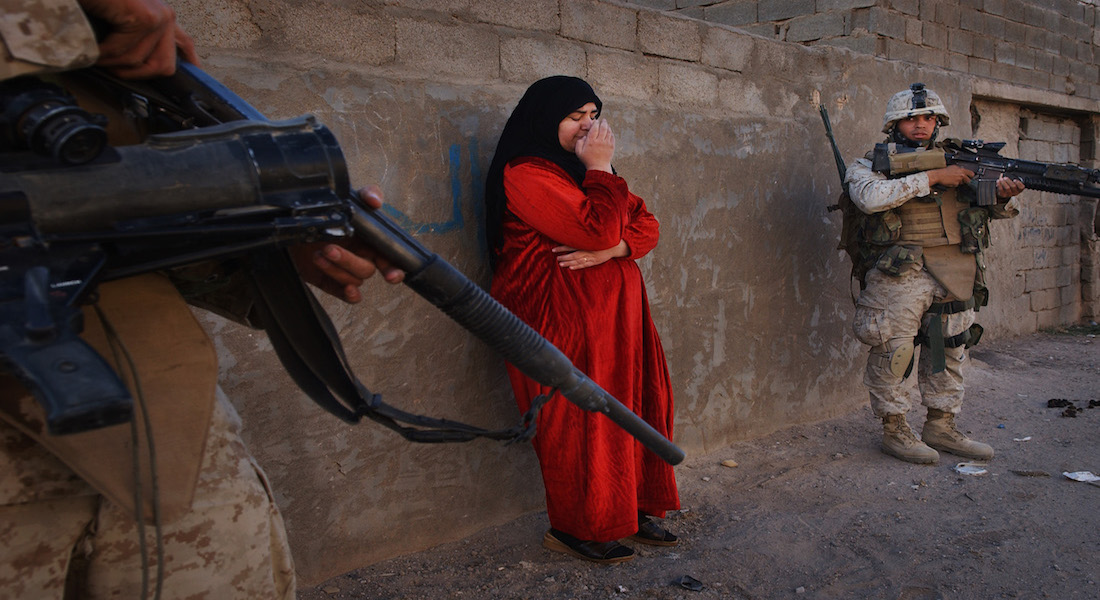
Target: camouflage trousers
(891,310)
(60,539)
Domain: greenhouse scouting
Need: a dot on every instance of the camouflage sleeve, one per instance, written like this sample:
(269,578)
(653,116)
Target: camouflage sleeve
(1005,210)
(45,35)
(873,193)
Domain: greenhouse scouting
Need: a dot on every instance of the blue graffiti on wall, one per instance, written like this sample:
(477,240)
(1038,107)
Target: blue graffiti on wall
(456,222)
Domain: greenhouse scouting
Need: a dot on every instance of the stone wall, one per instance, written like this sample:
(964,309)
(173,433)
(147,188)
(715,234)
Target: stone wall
(1046,44)
(717,129)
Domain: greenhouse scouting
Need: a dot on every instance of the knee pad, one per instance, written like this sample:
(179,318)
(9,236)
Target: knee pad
(897,356)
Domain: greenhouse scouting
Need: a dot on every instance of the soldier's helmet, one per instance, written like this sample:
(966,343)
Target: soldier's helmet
(917,100)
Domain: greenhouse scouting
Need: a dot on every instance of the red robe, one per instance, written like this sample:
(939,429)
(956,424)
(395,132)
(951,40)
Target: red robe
(597,477)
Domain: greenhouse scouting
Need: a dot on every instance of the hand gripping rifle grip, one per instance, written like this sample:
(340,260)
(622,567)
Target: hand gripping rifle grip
(470,306)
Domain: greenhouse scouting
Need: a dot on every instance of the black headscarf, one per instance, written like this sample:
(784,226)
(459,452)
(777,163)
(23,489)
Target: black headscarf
(532,130)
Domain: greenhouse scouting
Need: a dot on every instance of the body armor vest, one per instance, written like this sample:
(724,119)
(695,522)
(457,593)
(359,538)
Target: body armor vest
(935,227)
(927,223)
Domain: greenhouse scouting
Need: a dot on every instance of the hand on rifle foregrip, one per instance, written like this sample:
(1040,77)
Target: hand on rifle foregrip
(339,269)
(1008,187)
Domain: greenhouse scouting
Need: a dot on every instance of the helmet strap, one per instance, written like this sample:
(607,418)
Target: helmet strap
(896,137)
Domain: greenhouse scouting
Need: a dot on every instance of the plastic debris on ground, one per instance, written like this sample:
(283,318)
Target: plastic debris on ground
(966,468)
(1085,476)
(689,583)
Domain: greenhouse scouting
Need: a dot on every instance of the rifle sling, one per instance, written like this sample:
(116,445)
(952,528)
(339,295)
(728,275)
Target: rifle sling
(310,350)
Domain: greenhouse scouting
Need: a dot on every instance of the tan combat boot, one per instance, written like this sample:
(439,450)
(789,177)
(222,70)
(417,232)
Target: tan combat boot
(940,433)
(900,442)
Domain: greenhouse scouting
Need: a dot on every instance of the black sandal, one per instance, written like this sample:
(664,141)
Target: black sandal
(650,533)
(598,552)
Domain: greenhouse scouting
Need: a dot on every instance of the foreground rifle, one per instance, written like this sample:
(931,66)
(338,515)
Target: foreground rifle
(984,159)
(223,183)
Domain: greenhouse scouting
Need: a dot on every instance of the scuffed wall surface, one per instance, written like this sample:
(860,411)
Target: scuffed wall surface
(719,132)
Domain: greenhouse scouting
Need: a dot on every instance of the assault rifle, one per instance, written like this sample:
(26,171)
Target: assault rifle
(984,159)
(221,182)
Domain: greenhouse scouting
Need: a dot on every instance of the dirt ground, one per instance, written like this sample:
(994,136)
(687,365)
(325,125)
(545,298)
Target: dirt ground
(817,511)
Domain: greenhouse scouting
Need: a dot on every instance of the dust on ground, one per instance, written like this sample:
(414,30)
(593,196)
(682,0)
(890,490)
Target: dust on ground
(817,511)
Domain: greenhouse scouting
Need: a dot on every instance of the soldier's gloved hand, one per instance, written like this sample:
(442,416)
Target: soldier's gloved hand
(340,269)
(143,39)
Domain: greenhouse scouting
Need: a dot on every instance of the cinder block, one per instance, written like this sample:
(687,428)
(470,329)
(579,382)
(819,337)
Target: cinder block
(732,12)
(1048,318)
(819,26)
(1086,52)
(1036,37)
(970,19)
(1066,235)
(1067,275)
(1025,57)
(899,50)
(992,26)
(933,35)
(1072,255)
(529,15)
(1060,66)
(525,60)
(884,22)
(460,50)
(1044,258)
(1067,47)
(224,25)
(933,57)
(341,34)
(1045,300)
(947,14)
(960,42)
(995,7)
(1034,13)
(1044,61)
(1069,295)
(726,49)
(771,31)
(668,36)
(914,31)
(1037,280)
(667,4)
(906,7)
(862,42)
(600,23)
(983,48)
(1063,153)
(683,84)
(1083,72)
(827,5)
(1042,128)
(779,10)
(447,7)
(622,73)
(958,62)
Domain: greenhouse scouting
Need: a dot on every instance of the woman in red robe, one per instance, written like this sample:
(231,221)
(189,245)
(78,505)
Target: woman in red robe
(564,234)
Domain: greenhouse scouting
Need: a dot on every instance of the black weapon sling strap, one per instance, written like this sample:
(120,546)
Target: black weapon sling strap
(309,347)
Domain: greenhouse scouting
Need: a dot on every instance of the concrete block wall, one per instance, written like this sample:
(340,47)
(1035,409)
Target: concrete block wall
(1046,44)
(718,130)
(1052,279)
